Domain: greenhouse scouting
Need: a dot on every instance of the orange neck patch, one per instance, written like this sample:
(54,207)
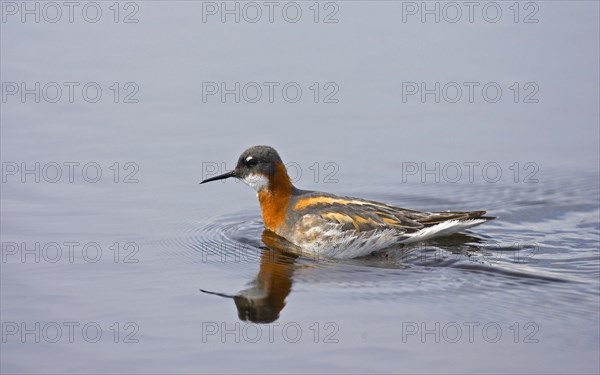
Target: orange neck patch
(274,200)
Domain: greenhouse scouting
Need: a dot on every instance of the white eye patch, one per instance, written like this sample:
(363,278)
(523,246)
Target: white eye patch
(256,181)
(249,158)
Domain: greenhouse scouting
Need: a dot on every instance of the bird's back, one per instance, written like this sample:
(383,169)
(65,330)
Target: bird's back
(337,224)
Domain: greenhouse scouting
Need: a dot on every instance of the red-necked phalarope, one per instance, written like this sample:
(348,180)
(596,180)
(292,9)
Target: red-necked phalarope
(333,226)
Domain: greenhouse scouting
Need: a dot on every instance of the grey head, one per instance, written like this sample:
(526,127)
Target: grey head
(255,167)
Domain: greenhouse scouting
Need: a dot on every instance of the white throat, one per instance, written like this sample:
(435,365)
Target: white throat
(256,181)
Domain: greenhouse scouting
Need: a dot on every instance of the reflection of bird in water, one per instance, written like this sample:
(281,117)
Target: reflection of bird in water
(265,298)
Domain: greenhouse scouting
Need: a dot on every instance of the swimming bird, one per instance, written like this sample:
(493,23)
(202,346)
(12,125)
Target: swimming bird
(327,225)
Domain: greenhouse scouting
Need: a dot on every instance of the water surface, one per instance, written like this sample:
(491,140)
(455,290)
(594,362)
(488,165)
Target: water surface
(181,278)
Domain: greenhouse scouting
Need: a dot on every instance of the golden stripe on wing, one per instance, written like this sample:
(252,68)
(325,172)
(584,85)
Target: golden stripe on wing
(325,200)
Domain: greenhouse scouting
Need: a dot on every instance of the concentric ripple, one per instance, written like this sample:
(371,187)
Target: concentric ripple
(226,241)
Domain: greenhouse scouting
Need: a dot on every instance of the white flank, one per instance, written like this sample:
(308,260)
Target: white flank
(256,181)
(334,243)
(442,229)
(346,245)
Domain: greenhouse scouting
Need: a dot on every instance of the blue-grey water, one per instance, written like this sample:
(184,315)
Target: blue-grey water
(115,260)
